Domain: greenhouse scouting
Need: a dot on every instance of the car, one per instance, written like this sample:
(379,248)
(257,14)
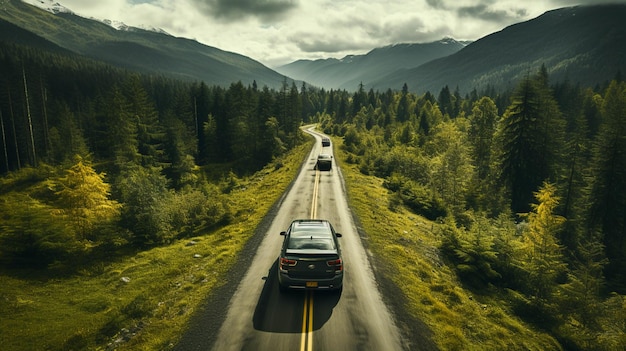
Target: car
(324,162)
(310,257)
(325,142)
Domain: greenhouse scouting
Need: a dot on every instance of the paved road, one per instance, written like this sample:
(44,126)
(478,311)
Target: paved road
(259,317)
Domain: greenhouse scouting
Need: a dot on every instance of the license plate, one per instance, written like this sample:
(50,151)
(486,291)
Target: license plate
(311,284)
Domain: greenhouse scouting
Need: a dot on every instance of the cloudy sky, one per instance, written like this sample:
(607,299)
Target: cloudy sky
(277,32)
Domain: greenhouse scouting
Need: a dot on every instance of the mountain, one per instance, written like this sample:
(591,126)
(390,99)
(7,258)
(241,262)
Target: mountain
(352,70)
(583,44)
(133,48)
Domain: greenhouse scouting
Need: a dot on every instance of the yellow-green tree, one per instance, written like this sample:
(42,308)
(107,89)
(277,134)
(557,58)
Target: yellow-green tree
(543,260)
(84,198)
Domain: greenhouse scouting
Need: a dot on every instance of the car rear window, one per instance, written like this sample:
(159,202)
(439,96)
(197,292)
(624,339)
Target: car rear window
(310,243)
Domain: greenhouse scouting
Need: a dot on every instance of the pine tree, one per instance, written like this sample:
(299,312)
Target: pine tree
(476,253)
(608,183)
(586,282)
(543,259)
(482,128)
(529,137)
(486,194)
(66,139)
(445,101)
(403,105)
(118,137)
(451,168)
(84,197)
(150,133)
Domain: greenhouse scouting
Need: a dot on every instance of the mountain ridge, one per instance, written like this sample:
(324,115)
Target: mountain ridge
(579,44)
(351,70)
(138,49)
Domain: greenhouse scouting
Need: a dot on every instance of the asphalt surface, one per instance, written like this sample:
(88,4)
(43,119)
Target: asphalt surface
(249,312)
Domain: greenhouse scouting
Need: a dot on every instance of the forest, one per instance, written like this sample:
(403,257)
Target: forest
(528,185)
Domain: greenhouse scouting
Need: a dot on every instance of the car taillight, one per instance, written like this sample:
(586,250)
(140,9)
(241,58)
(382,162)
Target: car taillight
(335,263)
(285,262)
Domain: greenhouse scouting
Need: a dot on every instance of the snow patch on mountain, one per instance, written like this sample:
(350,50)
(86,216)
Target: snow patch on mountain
(49,5)
(55,7)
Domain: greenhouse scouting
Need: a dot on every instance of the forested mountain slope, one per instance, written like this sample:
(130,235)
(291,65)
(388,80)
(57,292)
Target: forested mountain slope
(581,44)
(135,48)
(350,71)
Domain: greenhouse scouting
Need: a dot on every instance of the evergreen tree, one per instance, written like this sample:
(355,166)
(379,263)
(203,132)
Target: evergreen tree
(451,168)
(543,259)
(445,102)
(483,121)
(585,282)
(66,138)
(403,105)
(202,110)
(482,128)
(268,133)
(84,196)
(608,183)
(32,234)
(150,133)
(359,100)
(179,147)
(118,137)
(530,136)
(238,114)
(474,252)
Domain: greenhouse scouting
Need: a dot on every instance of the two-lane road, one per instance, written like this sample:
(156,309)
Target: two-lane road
(259,317)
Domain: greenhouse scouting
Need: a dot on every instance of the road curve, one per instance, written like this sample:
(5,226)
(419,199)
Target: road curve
(259,317)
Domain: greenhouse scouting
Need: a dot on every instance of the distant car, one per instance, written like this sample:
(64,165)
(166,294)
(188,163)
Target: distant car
(310,257)
(324,162)
(325,142)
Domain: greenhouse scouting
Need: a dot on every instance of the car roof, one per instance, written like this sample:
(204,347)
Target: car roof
(309,227)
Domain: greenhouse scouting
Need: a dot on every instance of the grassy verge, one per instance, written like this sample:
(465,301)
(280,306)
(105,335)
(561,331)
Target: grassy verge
(157,289)
(406,247)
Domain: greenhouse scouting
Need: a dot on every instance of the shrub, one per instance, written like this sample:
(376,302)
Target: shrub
(417,197)
(33,235)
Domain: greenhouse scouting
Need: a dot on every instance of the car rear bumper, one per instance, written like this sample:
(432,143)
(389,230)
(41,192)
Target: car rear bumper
(324,166)
(286,281)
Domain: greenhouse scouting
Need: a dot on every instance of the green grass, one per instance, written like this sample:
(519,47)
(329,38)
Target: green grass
(406,245)
(164,286)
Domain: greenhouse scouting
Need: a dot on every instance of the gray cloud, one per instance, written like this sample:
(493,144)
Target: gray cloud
(280,31)
(328,44)
(414,30)
(265,10)
(436,4)
(483,12)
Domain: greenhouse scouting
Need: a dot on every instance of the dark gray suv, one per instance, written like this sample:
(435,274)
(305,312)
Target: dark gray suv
(324,162)
(310,257)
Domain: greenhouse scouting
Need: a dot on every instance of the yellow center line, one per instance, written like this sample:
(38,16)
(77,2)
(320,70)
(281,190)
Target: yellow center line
(310,331)
(306,339)
(315,193)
